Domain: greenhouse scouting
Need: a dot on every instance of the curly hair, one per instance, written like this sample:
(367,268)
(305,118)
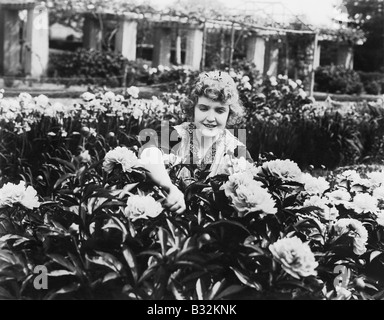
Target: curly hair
(218,86)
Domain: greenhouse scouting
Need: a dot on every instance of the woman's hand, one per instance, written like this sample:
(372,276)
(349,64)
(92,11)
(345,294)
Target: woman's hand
(174,200)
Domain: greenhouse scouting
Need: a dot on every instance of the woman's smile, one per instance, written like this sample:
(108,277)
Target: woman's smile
(210,116)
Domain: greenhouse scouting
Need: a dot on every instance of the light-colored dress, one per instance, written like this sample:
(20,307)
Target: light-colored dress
(215,159)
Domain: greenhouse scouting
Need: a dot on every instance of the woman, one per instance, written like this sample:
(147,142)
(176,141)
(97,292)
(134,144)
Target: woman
(205,143)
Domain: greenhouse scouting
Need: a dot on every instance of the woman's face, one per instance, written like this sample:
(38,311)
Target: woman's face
(210,117)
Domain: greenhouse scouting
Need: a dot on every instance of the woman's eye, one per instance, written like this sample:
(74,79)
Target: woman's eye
(220,111)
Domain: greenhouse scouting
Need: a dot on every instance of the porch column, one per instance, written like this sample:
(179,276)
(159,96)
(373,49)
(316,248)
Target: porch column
(37,42)
(125,41)
(194,48)
(256,51)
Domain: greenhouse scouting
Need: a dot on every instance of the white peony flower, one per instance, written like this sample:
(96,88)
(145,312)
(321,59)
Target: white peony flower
(25,99)
(42,100)
(364,203)
(378,193)
(360,185)
(137,112)
(347,178)
(84,157)
(354,229)
(339,196)
(295,257)
(11,194)
(247,86)
(380,217)
(87,96)
(325,211)
(313,185)
(273,81)
(133,92)
(377,178)
(152,71)
(292,84)
(120,155)
(245,79)
(142,207)
(234,165)
(287,170)
(110,96)
(247,195)
(302,94)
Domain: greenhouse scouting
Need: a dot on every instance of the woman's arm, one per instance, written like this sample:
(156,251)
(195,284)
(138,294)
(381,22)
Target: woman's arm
(151,159)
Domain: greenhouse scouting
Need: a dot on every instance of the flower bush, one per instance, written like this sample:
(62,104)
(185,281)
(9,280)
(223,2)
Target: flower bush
(94,67)
(102,233)
(33,128)
(338,79)
(75,199)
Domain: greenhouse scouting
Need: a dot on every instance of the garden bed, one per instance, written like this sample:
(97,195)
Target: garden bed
(76,205)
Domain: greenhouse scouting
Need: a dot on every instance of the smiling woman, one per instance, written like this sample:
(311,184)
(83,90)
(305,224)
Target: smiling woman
(205,147)
(212,105)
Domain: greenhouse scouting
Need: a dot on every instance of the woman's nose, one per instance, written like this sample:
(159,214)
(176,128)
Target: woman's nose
(211,116)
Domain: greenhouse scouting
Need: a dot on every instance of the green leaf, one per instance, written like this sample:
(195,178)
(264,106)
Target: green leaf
(110,276)
(59,273)
(229,291)
(244,279)
(200,289)
(163,237)
(8,256)
(216,287)
(67,289)
(146,274)
(374,255)
(227,223)
(106,259)
(117,224)
(131,261)
(62,261)
(66,164)
(62,179)
(109,204)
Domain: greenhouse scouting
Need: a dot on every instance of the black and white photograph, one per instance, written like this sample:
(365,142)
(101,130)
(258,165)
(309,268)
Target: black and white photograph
(191,154)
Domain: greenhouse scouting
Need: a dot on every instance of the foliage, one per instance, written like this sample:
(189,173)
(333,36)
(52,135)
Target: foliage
(92,218)
(92,67)
(94,245)
(68,12)
(337,79)
(373,82)
(33,129)
(367,15)
(282,119)
(343,35)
